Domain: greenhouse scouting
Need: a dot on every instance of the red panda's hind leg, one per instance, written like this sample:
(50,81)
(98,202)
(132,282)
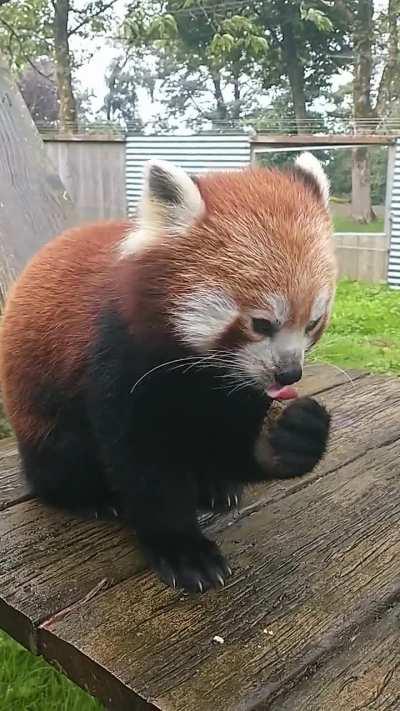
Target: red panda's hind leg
(63,471)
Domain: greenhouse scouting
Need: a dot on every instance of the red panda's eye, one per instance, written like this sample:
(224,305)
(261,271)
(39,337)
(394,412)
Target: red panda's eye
(263,327)
(312,324)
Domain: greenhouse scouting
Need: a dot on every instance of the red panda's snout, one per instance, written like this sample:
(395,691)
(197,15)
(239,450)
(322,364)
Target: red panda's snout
(249,272)
(264,348)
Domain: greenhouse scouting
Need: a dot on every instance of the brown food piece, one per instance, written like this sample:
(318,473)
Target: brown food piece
(275,411)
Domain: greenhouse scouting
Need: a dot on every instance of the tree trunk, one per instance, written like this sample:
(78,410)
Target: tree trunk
(236,97)
(222,113)
(361,208)
(389,84)
(295,68)
(68,112)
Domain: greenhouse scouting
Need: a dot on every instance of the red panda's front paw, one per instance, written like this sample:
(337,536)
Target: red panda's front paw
(191,563)
(220,496)
(300,437)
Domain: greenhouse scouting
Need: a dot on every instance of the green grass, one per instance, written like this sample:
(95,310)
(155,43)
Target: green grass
(27,683)
(342,223)
(364,333)
(365,329)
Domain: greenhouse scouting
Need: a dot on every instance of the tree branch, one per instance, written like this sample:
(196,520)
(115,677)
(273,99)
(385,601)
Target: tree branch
(16,36)
(88,19)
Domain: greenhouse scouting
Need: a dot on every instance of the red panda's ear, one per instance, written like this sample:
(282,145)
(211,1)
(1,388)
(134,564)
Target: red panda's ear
(171,201)
(311,170)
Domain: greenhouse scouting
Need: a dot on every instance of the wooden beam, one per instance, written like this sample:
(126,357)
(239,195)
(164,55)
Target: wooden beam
(303,139)
(48,136)
(34,205)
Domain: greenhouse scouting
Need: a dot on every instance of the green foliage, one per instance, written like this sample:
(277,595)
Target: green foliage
(239,43)
(25,31)
(27,683)
(364,332)
(320,19)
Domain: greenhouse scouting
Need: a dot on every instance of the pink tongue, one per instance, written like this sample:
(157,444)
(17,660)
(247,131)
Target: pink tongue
(287,392)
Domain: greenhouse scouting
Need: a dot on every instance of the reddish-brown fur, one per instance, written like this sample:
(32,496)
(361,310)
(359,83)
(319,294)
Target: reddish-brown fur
(48,322)
(263,231)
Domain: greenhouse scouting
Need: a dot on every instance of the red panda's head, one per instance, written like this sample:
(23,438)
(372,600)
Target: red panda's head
(247,263)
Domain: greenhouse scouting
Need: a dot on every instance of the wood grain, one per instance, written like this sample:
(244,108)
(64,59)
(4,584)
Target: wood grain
(50,561)
(34,205)
(40,546)
(314,560)
(365,675)
(306,571)
(309,139)
(13,487)
(308,568)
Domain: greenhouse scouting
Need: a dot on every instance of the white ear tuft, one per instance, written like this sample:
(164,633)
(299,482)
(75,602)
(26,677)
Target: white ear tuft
(313,168)
(171,201)
(170,204)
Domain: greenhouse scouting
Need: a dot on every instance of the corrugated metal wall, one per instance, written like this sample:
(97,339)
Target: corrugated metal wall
(198,153)
(394,250)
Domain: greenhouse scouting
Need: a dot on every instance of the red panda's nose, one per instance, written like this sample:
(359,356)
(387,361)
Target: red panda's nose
(289,376)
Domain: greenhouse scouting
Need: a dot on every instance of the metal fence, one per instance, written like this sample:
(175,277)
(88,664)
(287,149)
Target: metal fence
(103,175)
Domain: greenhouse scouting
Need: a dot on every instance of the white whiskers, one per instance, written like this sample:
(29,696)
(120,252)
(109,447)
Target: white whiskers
(217,359)
(335,367)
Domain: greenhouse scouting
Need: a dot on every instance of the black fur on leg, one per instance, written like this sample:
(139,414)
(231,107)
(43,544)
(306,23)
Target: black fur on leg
(162,511)
(148,436)
(64,469)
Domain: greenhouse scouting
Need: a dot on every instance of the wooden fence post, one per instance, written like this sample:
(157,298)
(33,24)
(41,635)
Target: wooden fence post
(34,205)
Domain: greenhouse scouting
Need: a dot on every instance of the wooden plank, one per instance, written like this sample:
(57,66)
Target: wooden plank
(34,205)
(94,175)
(364,675)
(50,137)
(320,377)
(310,139)
(40,544)
(34,539)
(306,572)
(13,488)
(307,569)
(51,561)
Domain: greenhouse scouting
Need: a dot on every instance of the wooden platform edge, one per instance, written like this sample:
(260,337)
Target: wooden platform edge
(89,675)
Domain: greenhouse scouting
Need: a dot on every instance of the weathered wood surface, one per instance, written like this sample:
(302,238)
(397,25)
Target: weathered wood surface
(313,139)
(307,620)
(34,205)
(363,676)
(93,172)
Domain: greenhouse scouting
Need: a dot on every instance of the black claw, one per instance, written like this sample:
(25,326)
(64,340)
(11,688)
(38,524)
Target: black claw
(193,564)
(220,496)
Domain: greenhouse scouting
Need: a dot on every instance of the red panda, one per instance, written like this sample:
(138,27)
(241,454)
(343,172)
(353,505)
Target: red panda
(138,360)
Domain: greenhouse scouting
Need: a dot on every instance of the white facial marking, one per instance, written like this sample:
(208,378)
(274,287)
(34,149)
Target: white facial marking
(204,317)
(256,361)
(307,162)
(170,204)
(278,307)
